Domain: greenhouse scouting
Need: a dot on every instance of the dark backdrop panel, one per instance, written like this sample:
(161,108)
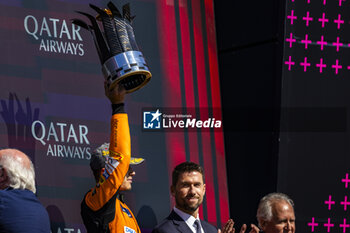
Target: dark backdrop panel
(250,42)
(245,23)
(249,116)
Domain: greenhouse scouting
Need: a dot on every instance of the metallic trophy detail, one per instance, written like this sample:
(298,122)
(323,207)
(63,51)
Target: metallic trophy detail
(121,60)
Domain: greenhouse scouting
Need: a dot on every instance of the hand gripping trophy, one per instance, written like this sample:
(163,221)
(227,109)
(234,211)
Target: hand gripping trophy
(121,60)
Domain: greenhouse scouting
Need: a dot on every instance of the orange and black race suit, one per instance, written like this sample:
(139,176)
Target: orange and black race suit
(104,194)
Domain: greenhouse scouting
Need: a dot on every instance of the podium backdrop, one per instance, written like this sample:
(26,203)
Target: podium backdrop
(53,106)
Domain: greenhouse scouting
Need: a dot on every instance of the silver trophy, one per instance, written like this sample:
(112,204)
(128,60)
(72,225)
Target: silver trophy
(121,60)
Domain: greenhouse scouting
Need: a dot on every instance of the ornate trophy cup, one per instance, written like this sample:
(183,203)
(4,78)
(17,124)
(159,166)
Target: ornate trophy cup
(121,60)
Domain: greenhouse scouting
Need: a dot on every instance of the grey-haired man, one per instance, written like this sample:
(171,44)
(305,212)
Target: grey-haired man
(276,214)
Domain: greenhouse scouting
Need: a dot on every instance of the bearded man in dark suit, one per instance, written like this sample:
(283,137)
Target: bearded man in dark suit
(188,189)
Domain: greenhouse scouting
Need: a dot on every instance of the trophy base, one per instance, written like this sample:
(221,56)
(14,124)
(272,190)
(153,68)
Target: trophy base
(129,69)
(131,82)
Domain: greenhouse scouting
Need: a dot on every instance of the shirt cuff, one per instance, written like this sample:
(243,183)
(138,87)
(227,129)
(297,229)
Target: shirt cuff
(118,108)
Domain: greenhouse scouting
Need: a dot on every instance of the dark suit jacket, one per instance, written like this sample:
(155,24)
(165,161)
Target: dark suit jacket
(174,224)
(21,211)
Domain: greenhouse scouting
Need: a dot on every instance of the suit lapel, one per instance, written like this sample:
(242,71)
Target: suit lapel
(204,226)
(179,223)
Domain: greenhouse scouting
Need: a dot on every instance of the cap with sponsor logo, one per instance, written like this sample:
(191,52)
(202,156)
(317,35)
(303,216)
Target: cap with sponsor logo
(98,157)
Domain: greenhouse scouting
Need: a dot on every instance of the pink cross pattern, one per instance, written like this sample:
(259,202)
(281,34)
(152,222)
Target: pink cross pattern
(337,44)
(345,203)
(289,62)
(338,21)
(328,225)
(305,64)
(306,41)
(346,180)
(340,2)
(329,202)
(307,18)
(312,224)
(336,66)
(291,17)
(323,19)
(291,40)
(344,225)
(322,42)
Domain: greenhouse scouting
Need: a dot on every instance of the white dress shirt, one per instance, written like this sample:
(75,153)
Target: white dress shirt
(189,219)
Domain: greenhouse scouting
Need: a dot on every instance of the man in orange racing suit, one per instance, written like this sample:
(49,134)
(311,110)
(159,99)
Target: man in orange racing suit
(103,209)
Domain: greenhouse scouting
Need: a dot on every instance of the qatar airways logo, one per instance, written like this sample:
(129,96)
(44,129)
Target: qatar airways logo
(55,35)
(63,139)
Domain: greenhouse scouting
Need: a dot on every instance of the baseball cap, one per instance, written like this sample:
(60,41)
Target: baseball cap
(98,157)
